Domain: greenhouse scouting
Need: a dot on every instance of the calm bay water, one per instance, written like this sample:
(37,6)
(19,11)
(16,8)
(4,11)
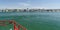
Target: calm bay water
(34,20)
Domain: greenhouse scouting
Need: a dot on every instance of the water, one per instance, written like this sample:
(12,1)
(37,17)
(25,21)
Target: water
(34,20)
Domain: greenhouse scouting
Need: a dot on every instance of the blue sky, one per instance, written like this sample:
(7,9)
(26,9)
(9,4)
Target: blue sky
(50,4)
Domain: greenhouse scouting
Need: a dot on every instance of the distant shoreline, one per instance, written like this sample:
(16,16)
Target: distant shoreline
(29,10)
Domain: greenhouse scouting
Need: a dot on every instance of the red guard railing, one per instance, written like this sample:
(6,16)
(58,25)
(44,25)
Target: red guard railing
(2,23)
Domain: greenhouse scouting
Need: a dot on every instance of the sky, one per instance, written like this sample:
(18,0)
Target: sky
(48,4)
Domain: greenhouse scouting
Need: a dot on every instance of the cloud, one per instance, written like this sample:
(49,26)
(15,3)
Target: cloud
(24,4)
(36,7)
